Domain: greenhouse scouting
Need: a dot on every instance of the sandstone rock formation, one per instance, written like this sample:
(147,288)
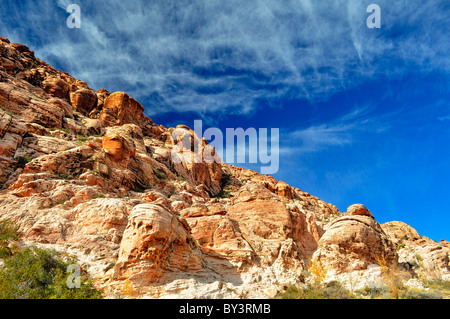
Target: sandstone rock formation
(83,100)
(89,174)
(156,241)
(56,87)
(414,250)
(355,241)
(119,109)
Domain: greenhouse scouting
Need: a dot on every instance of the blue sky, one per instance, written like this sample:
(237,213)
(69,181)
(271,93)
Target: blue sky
(363,114)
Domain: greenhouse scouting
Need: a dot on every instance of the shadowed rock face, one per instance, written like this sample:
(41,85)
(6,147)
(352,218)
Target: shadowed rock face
(88,173)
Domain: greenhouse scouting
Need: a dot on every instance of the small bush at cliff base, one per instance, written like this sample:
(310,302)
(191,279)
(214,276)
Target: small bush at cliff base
(438,284)
(331,290)
(41,274)
(421,294)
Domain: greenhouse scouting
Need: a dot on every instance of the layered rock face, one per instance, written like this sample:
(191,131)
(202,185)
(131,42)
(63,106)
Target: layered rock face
(154,208)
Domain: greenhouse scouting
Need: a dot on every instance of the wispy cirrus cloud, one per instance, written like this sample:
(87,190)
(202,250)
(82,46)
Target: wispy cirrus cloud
(343,131)
(324,136)
(444,118)
(227,56)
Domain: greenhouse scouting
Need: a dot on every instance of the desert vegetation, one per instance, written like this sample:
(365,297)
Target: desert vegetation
(392,285)
(36,273)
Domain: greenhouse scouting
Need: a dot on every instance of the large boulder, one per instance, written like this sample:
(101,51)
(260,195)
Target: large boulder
(283,189)
(119,108)
(56,87)
(66,107)
(83,100)
(7,64)
(355,241)
(118,147)
(155,242)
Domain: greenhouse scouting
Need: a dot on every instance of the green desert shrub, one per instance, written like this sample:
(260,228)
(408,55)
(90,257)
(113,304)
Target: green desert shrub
(375,292)
(159,174)
(36,273)
(82,138)
(331,290)
(420,294)
(65,176)
(23,160)
(438,284)
(221,194)
(225,181)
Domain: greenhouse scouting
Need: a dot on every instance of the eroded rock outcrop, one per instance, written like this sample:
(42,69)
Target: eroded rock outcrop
(119,108)
(154,242)
(355,241)
(84,100)
(419,253)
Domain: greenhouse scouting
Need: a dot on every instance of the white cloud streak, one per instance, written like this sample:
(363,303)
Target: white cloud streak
(322,136)
(340,132)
